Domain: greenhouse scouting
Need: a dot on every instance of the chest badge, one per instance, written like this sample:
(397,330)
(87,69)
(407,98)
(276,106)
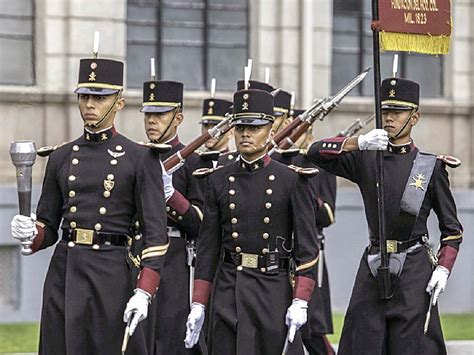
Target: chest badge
(109,184)
(115,155)
(419,180)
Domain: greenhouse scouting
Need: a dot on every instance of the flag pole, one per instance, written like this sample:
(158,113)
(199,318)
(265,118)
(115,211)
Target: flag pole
(383,273)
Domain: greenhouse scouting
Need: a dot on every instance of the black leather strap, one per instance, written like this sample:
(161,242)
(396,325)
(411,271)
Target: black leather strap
(236,259)
(99,238)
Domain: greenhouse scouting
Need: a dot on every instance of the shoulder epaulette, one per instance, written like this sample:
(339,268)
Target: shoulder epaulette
(450,161)
(203,172)
(158,147)
(207,156)
(308,172)
(292,152)
(47,150)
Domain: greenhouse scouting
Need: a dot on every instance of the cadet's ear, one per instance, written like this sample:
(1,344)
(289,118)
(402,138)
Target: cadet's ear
(120,104)
(415,118)
(179,118)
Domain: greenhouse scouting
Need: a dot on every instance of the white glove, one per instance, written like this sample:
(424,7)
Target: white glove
(296,316)
(23,228)
(194,324)
(137,308)
(167,182)
(376,139)
(438,282)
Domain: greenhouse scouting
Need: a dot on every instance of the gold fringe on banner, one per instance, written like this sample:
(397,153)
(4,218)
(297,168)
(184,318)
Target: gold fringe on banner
(407,42)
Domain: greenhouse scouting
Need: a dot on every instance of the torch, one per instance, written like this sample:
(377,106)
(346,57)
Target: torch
(23,155)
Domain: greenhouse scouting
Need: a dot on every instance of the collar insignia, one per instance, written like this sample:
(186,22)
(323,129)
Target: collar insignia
(419,180)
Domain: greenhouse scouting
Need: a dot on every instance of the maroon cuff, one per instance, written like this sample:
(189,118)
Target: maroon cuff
(38,241)
(304,288)
(202,290)
(179,203)
(447,257)
(332,146)
(148,280)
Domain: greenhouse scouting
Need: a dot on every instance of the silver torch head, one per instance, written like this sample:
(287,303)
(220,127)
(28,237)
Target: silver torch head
(23,153)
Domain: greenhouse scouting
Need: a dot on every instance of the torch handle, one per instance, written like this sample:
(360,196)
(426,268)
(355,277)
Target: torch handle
(24,199)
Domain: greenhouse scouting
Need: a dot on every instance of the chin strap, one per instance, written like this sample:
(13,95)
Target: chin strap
(412,112)
(97,124)
(169,125)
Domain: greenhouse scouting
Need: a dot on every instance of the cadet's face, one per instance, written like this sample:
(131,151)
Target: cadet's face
(156,125)
(216,144)
(251,141)
(393,121)
(94,107)
(280,123)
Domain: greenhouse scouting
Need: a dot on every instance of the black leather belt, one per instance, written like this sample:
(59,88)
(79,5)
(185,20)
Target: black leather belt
(253,261)
(397,246)
(92,237)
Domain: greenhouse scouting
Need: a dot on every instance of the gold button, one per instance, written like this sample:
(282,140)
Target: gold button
(231,178)
(231,192)
(138,237)
(269,191)
(70,244)
(73,209)
(265,235)
(96,247)
(240,268)
(102,210)
(235,235)
(233,220)
(268,205)
(264,250)
(98,226)
(75,148)
(271,177)
(262,269)
(119,148)
(113,162)
(137,224)
(72,178)
(75,161)
(238,249)
(72,224)
(106,194)
(173,213)
(266,220)
(72,193)
(168,208)
(180,218)
(232,206)
(110,177)
(230,157)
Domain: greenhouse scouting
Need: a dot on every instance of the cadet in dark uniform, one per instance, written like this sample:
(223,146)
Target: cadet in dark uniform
(213,112)
(96,185)
(166,324)
(415,183)
(281,110)
(323,188)
(257,217)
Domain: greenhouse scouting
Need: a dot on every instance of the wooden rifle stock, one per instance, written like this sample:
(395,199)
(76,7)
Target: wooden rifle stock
(285,132)
(182,154)
(295,134)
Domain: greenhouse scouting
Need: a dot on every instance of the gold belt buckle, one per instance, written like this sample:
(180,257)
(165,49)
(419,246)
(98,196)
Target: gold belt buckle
(84,236)
(249,260)
(392,246)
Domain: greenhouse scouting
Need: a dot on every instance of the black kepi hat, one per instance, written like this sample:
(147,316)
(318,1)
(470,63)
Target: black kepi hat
(99,77)
(282,103)
(254,84)
(162,96)
(252,107)
(400,94)
(215,110)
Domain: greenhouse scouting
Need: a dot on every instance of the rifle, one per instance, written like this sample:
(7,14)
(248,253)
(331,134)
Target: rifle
(177,159)
(355,126)
(321,109)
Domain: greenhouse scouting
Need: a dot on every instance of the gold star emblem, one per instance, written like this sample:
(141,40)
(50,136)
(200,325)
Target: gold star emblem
(419,180)
(255,166)
(403,150)
(103,137)
(88,137)
(92,76)
(391,93)
(245,106)
(152,97)
(210,111)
